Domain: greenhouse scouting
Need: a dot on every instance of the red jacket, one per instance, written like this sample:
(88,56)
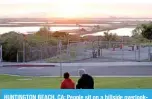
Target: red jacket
(67,84)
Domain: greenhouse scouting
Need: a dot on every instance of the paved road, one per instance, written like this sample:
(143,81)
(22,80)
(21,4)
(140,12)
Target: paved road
(95,70)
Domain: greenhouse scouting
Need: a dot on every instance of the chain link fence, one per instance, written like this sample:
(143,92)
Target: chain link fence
(124,51)
(37,53)
(86,51)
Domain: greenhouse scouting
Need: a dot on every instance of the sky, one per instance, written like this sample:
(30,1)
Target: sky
(75,8)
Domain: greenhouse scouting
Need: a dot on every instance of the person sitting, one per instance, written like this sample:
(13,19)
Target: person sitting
(86,81)
(67,83)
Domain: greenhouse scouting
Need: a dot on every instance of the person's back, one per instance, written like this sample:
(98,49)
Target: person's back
(67,83)
(85,82)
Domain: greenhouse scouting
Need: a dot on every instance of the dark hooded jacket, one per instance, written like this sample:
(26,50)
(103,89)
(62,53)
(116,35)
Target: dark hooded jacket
(85,82)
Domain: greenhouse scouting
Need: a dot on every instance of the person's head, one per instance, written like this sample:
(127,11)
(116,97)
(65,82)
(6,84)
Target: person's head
(66,75)
(81,72)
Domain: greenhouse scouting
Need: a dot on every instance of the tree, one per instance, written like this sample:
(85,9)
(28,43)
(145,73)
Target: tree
(147,31)
(58,34)
(137,35)
(74,38)
(64,36)
(37,40)
(110,37)
(12,42)
(44,31)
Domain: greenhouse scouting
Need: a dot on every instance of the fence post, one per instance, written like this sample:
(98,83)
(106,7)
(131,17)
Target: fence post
(17,57)
(122,51)
(1,53)
(149,52)
(139,53)
(101,47)
(68,52)
(60,46)
(41,54)
(135,54)
(23,51)
(24,39)
(98,48)
(109,44)
(101,52)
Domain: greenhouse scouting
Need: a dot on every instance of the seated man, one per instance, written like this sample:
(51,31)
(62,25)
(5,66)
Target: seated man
(86,81)
(67,83)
